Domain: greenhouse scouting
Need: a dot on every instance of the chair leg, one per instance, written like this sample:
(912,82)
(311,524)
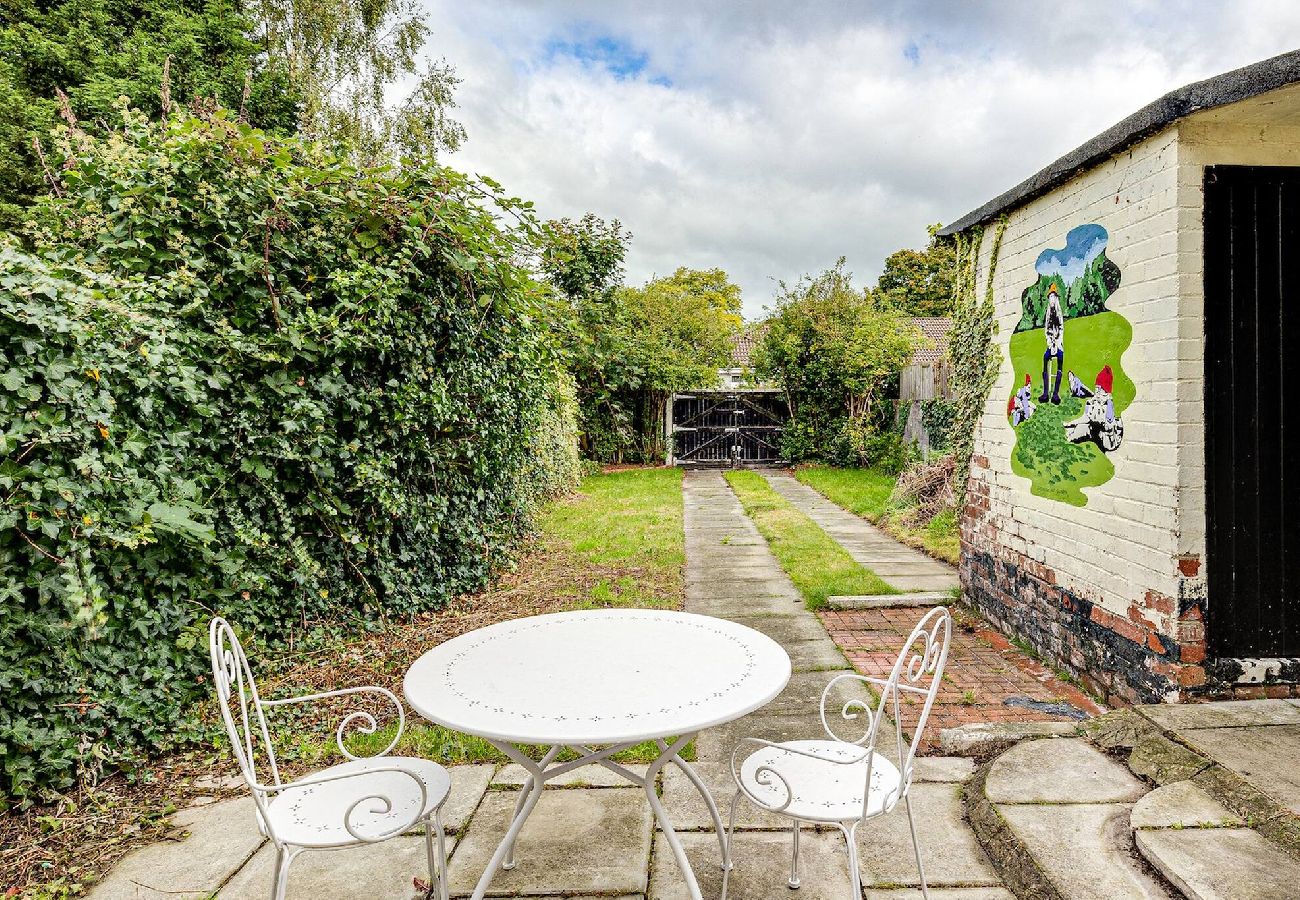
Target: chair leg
(444,877)
(916,847)
(729,858)
(855,871)
(794,856)
(281,884)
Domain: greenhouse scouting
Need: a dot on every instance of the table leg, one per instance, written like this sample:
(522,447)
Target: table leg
(530,785)
(668,755)
(696,780)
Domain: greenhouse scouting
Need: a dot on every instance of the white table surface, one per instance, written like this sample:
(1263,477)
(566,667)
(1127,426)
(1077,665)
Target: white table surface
(597,677)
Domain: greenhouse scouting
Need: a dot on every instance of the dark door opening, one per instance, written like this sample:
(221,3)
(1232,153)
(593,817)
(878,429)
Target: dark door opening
(728,428)
(1252,423)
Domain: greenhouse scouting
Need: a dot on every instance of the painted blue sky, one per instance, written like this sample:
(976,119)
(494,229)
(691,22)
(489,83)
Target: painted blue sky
(741,136)
(1082,245)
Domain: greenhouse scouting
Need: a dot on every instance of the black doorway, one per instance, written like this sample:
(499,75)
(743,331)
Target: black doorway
(1252,423)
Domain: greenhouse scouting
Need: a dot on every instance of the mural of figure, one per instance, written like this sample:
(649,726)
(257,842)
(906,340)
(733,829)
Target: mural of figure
(1021,406)
(1054,327)
(1098,423)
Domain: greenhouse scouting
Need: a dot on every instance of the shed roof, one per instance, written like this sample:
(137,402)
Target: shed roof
(935,330)
(1230,87)
(743,344)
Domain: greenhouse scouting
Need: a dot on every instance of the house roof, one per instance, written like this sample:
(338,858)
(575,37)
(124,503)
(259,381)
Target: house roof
(1221,90)
(935,330)
(743,344)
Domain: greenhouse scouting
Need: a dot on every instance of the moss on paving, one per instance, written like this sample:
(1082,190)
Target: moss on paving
(818,566)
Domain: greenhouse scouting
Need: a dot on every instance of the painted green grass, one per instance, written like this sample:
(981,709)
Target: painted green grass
(818,566)
(1056,468)
(866,492)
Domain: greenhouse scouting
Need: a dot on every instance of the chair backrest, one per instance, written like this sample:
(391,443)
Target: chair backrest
(917,674)
(241,708)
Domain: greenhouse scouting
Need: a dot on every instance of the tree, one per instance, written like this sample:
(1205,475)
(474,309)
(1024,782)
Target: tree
(97,50)
(833,348)
(343,58)
(920,282)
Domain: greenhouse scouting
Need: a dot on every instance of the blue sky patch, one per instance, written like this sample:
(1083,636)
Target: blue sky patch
(618,57)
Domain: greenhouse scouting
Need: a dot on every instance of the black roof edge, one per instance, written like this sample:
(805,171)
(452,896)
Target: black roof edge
(1230,87)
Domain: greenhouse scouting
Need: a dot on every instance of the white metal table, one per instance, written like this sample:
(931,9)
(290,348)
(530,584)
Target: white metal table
(597,682)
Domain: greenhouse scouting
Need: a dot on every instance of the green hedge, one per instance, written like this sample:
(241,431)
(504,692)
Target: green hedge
(243,377)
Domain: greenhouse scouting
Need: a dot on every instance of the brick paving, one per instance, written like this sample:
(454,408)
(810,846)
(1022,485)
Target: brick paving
(984,669)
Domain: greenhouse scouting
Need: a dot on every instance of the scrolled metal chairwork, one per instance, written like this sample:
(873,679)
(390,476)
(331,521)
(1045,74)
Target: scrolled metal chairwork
(365,800)
(814,781)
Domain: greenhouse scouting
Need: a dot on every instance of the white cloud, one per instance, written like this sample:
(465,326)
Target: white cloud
(770,142)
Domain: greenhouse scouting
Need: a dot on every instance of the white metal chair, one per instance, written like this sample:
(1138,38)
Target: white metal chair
(847,782)
(361,801)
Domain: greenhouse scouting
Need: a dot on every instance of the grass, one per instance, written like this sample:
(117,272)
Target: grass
(818,566)
(866,493)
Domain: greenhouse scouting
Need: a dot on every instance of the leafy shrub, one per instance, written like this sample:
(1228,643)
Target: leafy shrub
(938,416)
(244,377)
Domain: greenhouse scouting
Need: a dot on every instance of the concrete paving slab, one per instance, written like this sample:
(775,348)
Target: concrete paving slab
(887,601)
(575,842)
(1059,770)
(686,808)
(948,846)
(1231,713)
(1181,805)
(387,869)
(1083,849)
(785,630)
(593,776)
(717,743)
(222,838)
(982,738)
(725,607)
(467,786)
(1221,863)
(762,867)
(942,768)
(1263,755)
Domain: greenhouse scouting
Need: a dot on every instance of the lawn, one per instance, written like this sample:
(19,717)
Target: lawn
(617,542)
(818,566)
(866,492)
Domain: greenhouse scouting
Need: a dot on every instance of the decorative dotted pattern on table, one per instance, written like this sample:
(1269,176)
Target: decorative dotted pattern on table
(522,626)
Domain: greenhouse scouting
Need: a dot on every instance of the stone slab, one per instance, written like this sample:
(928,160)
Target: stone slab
(1263,755)
(948,846)
(575,842)
(783,629)
(889,601)
(222,838)
(1228,713)
(467,786)
(1059,770)
(983,738)
(1181,805)
(717,743)
(1163,761)
(1221,863)
(977,893)
(907,583)
(1083,849)
(729,606)
(762,866)
(593,776)
(942,768)
(686,809)
(388,870)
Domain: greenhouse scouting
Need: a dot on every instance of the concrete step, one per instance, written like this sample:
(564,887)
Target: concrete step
(879,601)
(1205,850)
(1053,816)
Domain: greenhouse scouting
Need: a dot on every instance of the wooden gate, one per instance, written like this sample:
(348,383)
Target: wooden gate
(721,428)
(1252,422)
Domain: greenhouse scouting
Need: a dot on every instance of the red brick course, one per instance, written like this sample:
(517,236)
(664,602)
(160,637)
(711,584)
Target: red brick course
(984,669)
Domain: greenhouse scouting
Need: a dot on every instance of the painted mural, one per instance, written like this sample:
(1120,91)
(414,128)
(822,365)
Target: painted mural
(1070,390)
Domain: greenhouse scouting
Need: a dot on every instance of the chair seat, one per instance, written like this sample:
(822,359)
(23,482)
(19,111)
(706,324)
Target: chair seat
(823,790)
(314,815)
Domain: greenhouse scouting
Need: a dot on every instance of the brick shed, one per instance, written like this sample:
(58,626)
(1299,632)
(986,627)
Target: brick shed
(1134,498)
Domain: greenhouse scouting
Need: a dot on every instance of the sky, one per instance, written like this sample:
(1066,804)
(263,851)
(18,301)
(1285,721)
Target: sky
(770,138)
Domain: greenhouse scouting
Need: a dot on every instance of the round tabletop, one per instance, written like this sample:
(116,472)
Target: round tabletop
(608,676)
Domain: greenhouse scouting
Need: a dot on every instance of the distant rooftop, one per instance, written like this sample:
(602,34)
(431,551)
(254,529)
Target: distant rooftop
(743,344)
(935,331)
(1230,87)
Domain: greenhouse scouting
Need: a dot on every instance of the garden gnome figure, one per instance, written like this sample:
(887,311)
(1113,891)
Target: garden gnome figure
(1054,326)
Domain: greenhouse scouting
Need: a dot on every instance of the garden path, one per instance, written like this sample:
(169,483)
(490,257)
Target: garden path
(900,566)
